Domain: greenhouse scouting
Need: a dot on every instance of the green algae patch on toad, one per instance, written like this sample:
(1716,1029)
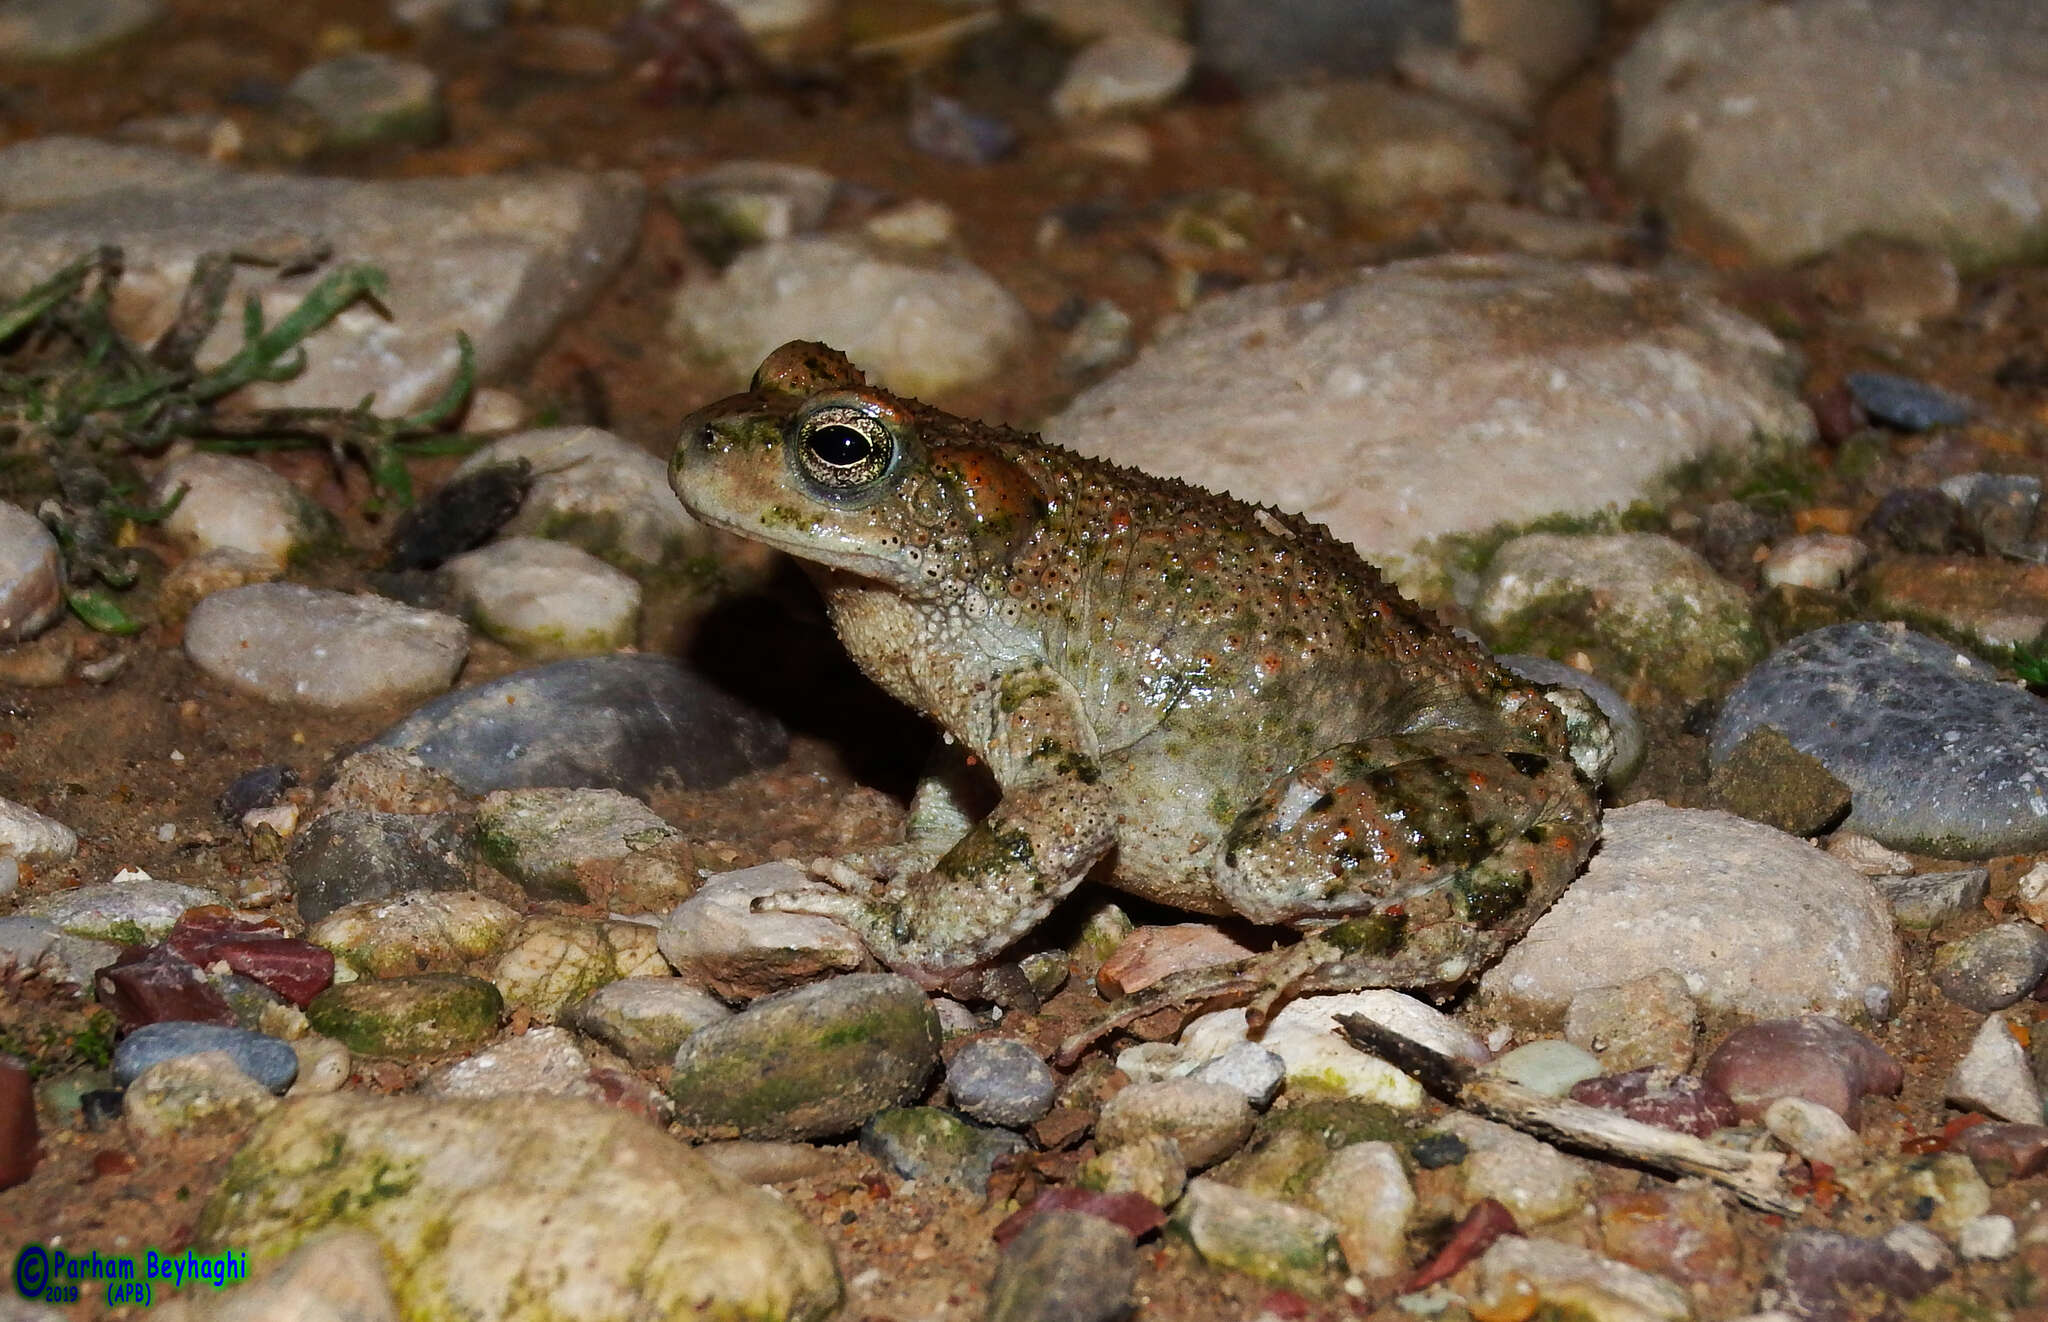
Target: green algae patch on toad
(808,1063)
(529,1209)
(428,1014)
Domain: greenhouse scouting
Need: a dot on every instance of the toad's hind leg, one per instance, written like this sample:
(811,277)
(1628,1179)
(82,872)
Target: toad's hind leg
(1426,857)
(1436,831)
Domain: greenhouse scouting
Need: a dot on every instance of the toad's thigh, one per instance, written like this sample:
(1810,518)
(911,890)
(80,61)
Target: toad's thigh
(1422,823)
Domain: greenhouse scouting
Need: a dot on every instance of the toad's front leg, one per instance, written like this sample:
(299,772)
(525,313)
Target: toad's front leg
(1055,821)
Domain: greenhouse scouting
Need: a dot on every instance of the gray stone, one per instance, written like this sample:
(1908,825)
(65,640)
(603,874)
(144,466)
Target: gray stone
(65,29)
(31,575)
(1064,1267)
(1986,1239)
(808,1063)
(266,1059)
(1993,1076)
(1754,920)
(578,1208)
(130,910)
(415,932)
(928,1144)
(1000,1081)
(34,838)
(1208,1121)
(585,847)
(624,722)
(352,856)
(922,325)
(316,648)
(1643,602)
(717,937)
(1444,396)
(368,98)
(1262,1237)
(1795,127)
(1375,148)
(1991,969)
(645,1019)
(504,259)
(1932,898)
(546,599)
(600,492)
(1907,404)
(38,946)
(1942,757)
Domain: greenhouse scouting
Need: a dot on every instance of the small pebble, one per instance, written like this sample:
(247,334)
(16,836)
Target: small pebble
(1989,1238)
(1249,1068)
(33,838)
(645,1019)
(1991,969)
(1365,1191)
(1550,1066)
(1264,1238)
(1662,1098)
(929,1143)
(1812,1273)
(1208,1120)
(719,940)
(324,1064)
(2004,1152)
(1994,1077)
(31,575)
(1824,561)
(1648,1022)
(1125,72)
(546,599)
(265,1059)
(1150,1167)
(367,98)
(316,648)
(203,1093)
(1000,1081)
(1908,405)
(2031,894)
(1814,1132)
(1933,898)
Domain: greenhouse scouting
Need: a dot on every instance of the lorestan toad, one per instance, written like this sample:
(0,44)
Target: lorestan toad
(1221,705)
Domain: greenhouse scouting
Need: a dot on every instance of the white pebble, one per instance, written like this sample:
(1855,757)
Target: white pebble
(1987,1238)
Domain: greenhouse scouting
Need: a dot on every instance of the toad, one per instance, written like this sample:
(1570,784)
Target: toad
(1214,705)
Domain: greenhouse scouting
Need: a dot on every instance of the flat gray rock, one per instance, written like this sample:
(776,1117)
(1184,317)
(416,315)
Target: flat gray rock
(63,29)
(316,648)
(1756,921)
(1941,756)
(1449,395)
(31,581)
(624,722)
(502,258)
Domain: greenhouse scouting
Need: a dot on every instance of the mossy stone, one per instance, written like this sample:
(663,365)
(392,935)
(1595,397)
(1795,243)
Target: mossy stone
(428,1014)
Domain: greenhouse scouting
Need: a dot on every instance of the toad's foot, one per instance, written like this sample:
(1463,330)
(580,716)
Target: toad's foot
(996,884)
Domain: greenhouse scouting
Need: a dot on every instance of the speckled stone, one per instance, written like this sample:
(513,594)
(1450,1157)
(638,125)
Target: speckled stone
(268,1060)
(1000,1081)
(1991,969)
(1941,756)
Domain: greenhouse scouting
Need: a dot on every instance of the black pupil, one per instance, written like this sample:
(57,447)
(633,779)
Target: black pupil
(840,445)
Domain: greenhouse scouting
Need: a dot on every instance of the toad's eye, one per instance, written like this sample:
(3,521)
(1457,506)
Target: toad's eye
(844,448)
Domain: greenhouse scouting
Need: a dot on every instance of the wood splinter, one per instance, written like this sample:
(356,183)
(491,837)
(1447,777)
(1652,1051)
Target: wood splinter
(1751,1176)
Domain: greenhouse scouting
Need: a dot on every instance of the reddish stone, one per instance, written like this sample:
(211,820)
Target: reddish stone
(1685,1234)
(111,1161)
(2005,1152)
(1815,1057)
(148,986)
(296,970)
(1485,1223)
(1152,953)
(1660,1097)
(1135,1214)
(18,1134)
